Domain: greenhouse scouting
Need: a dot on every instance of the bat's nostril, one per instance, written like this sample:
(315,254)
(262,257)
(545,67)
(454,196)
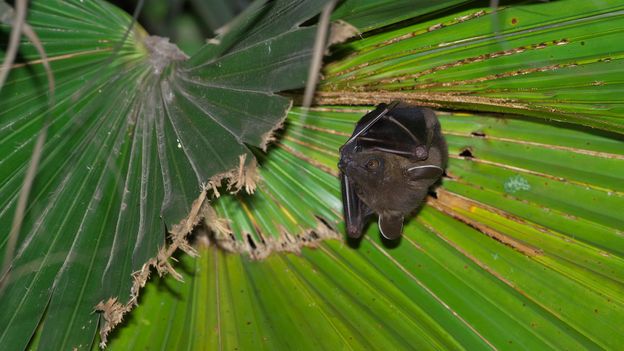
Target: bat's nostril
(344,161)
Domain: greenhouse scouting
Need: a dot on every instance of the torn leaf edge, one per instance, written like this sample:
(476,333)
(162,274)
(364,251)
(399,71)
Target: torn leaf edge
(286,242)
(237,178)
(270,136)
(245,176)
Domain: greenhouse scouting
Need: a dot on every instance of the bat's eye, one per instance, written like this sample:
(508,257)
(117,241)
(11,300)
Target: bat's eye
(372,164)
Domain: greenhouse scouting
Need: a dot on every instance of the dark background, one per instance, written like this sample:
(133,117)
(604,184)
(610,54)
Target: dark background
(188,23)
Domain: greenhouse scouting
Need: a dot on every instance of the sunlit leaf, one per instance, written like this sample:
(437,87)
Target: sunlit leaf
(521,248)
(557,59)
(372,14)
(515,253)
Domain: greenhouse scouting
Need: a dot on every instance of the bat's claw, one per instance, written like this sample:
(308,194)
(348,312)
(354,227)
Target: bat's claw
(354,232)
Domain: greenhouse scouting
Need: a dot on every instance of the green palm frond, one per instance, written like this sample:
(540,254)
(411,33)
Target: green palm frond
(516,252)
(556,60)
(520,249)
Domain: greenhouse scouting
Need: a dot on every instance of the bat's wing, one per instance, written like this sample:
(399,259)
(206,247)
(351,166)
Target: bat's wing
(370,119)
(402,130)
(355,210)
(390,226)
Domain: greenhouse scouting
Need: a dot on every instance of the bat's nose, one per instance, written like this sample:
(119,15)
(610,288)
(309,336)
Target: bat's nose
(344,161)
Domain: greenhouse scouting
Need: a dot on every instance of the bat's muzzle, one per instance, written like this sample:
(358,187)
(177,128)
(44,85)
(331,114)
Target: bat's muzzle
(343,163)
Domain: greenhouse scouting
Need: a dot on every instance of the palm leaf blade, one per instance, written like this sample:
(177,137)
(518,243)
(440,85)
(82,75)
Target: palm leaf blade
(446,285)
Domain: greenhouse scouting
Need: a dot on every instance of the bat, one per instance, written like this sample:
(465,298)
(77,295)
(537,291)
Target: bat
(396,153)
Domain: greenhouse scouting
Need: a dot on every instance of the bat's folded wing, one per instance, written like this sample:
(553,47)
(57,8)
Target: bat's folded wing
(402,131)
(355,210)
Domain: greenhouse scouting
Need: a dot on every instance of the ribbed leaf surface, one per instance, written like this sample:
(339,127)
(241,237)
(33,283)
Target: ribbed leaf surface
(521,249)
(372,14)
(516,252)
(557,59)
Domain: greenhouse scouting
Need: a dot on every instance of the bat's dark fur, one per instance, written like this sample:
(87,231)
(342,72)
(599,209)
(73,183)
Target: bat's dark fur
(395,154)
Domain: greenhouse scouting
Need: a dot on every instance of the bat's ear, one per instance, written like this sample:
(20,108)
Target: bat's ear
(433,125)
(391,226)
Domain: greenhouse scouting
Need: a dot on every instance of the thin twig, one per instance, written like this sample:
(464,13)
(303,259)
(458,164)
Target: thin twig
(317,54)
(495,25)
(16,33)
(20,209)
(34,39)
(317,59)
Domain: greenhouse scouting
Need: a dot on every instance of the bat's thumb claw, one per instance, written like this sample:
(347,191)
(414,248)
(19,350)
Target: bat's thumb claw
(391,226)
(354,233)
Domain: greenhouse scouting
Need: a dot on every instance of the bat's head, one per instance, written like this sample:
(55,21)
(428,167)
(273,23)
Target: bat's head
(388,182)
(368,169)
